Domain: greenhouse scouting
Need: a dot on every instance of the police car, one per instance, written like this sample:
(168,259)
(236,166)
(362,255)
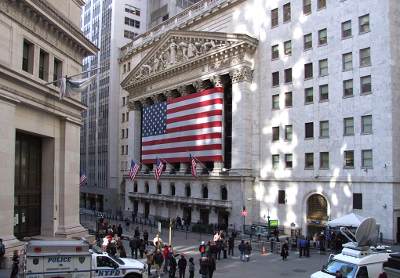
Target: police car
(75,259)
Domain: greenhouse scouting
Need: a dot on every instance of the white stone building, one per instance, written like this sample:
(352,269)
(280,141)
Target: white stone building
(40,42)
(310,92)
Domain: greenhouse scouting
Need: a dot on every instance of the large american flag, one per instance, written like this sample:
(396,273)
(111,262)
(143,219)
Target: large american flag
(186,125)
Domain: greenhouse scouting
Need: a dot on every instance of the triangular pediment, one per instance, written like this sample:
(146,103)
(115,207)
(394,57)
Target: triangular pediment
(178,49)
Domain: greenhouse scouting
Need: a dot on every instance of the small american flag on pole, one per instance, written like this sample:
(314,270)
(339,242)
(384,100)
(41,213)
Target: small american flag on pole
(82,180)
(159,169)
(133,170)
(173,129)
(193,166)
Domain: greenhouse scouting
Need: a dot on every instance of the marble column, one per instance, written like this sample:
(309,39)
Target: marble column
(135,118)
(183,168)
(68,212)
(241,118)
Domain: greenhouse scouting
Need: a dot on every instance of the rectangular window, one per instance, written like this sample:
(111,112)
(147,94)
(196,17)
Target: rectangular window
(288,160)
(357,200)
(366,124)
(324,129)
(346,29)
(275,161)
(288,75)
(281,197)
(349,159)
(366,159)
(324,160)
(308,95)
(287,47)
(322,37)
(287,14)
(122,133)
(57,74)
(275,52)
(306,7)
(308,71)
(123,101)
(363,23)
(365,57)
(274,18)
(348,126)
(288,132)
(275,78)
(123,117)
(27,56)
(309,130)
(126,133)
(321,4)
(348,88)
(323,93)
(127,116)
(309,160)
(307,41)
(126,149)
(44,65)
(122,150)
(365,84)
(275,133)
(288,99)
(275,102)
(323,67)
(347,61)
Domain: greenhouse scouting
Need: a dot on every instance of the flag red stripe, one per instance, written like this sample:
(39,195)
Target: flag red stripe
(186,159)
(193,127)
(202,93)
(183,139)
(195,105)
(195,116)
(184,149)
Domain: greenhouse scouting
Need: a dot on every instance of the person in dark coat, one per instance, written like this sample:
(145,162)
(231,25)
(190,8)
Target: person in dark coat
(15,265)
(133,244)
(285,250)
(136,233)
(158,262)
(247,251)
(211,267)
(204,267)
(119,231)
(142,247)
(172,265)
(182,266)
(191,268)
(146,237)
(241,248)
(231,245)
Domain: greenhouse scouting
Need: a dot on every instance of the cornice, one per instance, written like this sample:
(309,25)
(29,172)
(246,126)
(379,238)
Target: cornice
(79,2)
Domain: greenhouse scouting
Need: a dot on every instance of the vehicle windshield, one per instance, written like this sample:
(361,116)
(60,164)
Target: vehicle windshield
(96,249)
(118,260)
(346,269)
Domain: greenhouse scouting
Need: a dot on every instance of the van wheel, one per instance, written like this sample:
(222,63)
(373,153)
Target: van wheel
(133,275)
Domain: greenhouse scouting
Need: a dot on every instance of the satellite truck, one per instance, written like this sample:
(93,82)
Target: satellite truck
(76,259)
(359,259)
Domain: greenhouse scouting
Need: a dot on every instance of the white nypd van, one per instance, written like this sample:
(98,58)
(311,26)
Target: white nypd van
(74,259)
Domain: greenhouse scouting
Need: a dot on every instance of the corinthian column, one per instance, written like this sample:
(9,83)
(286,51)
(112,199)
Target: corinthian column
(241,118)
(135,118)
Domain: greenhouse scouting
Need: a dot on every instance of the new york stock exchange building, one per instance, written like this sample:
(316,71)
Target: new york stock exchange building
(231,84)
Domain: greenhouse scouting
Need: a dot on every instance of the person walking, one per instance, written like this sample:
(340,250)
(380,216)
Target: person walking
(149,261)
(241,248)
(166,258)
(136,233)
(15,265)
(307,247)
(172,265)
(146,237)
(191,268)
(133,244)
(247,251)
(142,247)
(224,247)
(204,267)
(158,262)
(231,245)
(211,267)
(2,253)
(182,263)
(202,249)
(119,231)
(285,250)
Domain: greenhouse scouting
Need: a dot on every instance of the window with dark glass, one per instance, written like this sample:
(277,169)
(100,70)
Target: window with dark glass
(309,160)
(288,99)
(347,61)
(348,126)
(146,187)
(275,161)
(307,41)
(288,75)
(349,159)
(57,71)
(288,132)
(324,129)
(274,17)
(275,102)
(309,130)
(135,187)
(323,93)
(348,88)
(308,95)
(366,159)
(288,160)
(43,65)
(224,193)
(366,124)
(346,29)
(308,71)
(365,57)
(188,191)
(287,14)
(321,4)
(205,192)
(275,133)
(159,188)
(281,197)
(365,84)
(275,52)
(275,78)
(287,47)
(363,22)
(27,56)
(306,7)
(172,189)
(357,200)
(323,67)
(322,37)
(324,160)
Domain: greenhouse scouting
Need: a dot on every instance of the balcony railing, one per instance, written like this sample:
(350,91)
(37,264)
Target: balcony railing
(182,200)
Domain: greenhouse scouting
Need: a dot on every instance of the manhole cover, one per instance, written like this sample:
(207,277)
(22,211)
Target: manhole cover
(299,270)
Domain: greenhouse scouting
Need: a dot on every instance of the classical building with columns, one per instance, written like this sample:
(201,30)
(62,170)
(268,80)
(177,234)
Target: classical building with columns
(40,42)
(309,117)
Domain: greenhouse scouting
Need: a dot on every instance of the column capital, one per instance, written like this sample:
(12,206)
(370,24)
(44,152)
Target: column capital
(135,105)
(217,81)
(244,73)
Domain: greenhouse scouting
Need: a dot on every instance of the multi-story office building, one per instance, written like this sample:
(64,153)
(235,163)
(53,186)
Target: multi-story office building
(40,42)
(310,107)
(109,25)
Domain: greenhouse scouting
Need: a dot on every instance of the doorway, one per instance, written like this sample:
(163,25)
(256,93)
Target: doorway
(317,214)
(187,215)
(27,185)
(146,210)
(204,216)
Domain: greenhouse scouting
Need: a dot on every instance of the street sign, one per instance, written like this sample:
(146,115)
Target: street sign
(273,223)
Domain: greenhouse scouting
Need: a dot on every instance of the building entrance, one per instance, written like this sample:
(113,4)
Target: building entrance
(27,182)
(317,214)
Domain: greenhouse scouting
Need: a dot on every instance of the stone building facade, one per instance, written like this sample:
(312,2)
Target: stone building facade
(40,42)
(312,89)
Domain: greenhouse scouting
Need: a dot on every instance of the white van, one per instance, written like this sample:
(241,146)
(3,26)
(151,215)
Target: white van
(74,259)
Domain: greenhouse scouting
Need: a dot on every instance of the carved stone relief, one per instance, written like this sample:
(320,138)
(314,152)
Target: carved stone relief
(241,74)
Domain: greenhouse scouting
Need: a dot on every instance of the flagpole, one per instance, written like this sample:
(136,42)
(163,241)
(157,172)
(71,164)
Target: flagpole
(163,160)
(72,76)
(201,163)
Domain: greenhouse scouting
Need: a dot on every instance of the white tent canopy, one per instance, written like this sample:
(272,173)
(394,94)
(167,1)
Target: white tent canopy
(348,220)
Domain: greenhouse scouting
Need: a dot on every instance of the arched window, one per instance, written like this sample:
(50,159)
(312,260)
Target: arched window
(172,189)
(135,186)
(159,190)
(188,191)
(146,187)
(205,191)
(224,193)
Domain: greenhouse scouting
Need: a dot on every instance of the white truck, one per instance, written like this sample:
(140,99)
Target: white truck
(75,259)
